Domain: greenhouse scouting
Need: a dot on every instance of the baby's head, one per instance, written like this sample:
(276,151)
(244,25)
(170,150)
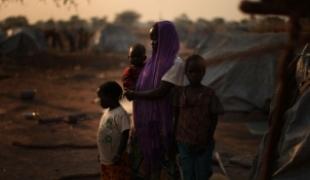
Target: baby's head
(137,55)
(195,69)
(109,93)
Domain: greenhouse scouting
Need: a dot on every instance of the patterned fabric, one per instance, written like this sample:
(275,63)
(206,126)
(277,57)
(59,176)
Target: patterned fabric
(130,77)
(116,172)
(112,124)
(195,125)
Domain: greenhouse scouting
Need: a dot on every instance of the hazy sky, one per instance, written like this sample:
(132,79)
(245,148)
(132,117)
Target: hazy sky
(149,9)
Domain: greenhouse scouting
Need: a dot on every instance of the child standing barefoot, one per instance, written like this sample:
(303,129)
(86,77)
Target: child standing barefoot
(197,109)
(113,132)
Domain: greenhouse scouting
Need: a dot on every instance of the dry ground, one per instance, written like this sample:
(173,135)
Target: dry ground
(66,85)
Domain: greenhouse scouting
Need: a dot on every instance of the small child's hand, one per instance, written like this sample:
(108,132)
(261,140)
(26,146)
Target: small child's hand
(116,159)
(130,95)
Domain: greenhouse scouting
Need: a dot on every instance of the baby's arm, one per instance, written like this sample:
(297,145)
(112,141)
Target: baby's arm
(127,79)
(163,89)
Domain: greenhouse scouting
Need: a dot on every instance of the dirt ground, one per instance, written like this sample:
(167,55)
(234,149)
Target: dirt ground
(65,87)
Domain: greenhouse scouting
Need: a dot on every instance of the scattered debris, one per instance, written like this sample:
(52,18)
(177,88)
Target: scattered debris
(258,128)
(73,119)
(2,111)
(28,95)
(80,77)
(77,67)
(217,176)
(53,146)
(51,120)
(242,161)
(80,176)
(70,119)
(101,76)
(31,115)
(220,162)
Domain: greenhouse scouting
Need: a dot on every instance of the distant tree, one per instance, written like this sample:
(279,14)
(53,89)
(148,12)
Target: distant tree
(50,24)
(183,25)
(202,24)
(270,24)
(57,2)
(183,19)
(218,21)
(244,21)
(76,22)
(127,18)
(15,21)
(98,23)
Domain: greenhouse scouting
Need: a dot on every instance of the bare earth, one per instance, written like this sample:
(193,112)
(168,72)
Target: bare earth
(66,85)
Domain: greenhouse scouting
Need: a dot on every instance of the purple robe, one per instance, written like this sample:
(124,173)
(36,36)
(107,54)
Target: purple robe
(153,118)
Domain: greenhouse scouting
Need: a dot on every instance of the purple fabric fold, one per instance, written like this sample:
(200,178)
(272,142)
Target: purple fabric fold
(153,118)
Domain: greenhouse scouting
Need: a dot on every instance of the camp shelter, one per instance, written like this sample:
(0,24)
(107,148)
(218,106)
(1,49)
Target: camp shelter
(22,42)
(112,38)
(243,70)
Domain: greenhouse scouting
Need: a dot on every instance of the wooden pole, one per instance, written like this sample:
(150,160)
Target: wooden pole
(283,97)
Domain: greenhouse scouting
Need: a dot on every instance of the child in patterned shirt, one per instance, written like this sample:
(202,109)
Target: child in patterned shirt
(197,109)
(113,132)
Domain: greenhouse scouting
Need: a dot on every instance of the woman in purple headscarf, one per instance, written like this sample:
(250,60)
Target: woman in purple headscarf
(152,107)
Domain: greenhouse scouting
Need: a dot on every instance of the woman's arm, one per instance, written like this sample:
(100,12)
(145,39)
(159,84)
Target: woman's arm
(163,89)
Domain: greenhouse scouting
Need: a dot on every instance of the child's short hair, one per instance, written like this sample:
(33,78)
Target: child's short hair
(111,89)
(195,58)
(139,48)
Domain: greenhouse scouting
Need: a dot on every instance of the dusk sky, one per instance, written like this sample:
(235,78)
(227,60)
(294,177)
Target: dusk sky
(149,9)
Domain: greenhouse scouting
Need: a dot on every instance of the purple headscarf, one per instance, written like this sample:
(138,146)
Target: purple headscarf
(153,118)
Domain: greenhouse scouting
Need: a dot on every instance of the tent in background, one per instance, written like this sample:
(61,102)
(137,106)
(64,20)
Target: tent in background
(245,83)
(112,38)
(22,42)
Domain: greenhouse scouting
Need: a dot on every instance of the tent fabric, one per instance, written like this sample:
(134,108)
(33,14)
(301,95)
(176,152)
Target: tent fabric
(22,42)
(34,33)
(112,38)
(294,144)
(247,82)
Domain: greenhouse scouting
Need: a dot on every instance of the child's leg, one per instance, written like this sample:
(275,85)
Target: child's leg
(106,172)
(121,171)
(186,161)
(203,164)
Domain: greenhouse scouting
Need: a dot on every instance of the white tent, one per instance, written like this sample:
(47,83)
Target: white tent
(247,82)
(112,39)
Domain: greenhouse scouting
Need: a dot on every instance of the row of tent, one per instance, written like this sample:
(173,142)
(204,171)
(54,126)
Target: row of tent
(28,41)
(245,83)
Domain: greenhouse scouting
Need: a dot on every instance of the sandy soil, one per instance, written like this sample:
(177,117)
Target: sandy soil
(66,85)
